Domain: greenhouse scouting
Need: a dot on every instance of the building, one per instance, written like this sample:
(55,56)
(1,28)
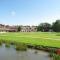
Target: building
(7,28)
(28,28)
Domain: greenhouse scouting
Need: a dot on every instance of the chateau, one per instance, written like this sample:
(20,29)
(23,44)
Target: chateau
(7,28)
(28,28)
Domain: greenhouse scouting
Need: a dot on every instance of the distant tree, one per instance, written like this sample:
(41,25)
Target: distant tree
(40,27)
(44,27)
(19,28)
(56,26)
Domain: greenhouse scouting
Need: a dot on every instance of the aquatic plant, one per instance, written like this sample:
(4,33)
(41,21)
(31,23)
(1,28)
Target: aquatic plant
(7,44)
(50,54)
(0,42)
(21,47)
(56,57)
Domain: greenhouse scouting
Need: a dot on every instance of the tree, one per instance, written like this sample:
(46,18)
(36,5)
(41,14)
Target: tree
(56,26)
(19,28)
(44,27)
(40,27)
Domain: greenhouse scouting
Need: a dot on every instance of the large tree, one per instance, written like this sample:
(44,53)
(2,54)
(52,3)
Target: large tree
(56,26)
(44,27)
(18,28)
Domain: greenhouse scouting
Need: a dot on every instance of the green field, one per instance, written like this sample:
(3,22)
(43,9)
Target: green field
(51,39)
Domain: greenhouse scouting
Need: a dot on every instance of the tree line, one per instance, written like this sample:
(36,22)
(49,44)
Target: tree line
(46,27)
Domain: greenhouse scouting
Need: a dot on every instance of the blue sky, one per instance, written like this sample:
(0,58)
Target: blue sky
(29,12)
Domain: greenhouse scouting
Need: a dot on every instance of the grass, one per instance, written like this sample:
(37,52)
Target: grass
(35,38)
(56,57)
(21,47)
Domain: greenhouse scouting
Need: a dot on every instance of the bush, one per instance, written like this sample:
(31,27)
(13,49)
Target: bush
(56,57)
(7,45)
(21,47)
(0,42)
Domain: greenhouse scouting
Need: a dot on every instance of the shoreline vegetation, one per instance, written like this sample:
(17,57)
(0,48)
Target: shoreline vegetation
(22,41)
(23,47)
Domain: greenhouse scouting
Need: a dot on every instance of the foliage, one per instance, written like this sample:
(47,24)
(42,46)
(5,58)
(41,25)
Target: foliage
(21,47)
(56,57)
(19,28)
(1,42)
(44,27)
(7,45)
(50,54)
(56,26)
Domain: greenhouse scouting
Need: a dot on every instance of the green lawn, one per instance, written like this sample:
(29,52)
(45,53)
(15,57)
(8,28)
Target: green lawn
(37,38)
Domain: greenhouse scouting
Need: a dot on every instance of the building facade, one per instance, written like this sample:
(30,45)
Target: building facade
(28,28)
(7,28)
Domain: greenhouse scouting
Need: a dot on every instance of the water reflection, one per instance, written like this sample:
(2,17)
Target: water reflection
(12,54)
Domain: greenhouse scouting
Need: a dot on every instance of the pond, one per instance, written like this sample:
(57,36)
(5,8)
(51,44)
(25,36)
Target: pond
(30,54)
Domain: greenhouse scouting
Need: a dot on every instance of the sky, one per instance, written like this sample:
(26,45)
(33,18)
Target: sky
(29,12)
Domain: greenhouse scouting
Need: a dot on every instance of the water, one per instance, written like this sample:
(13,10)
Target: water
(30,54)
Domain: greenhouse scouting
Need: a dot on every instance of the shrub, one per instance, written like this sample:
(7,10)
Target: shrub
(56,57)
(0,42)
(21,47)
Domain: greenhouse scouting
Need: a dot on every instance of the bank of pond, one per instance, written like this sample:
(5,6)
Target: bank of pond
(34,52)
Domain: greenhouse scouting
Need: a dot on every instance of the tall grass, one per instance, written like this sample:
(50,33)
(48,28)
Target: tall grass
(56,57)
